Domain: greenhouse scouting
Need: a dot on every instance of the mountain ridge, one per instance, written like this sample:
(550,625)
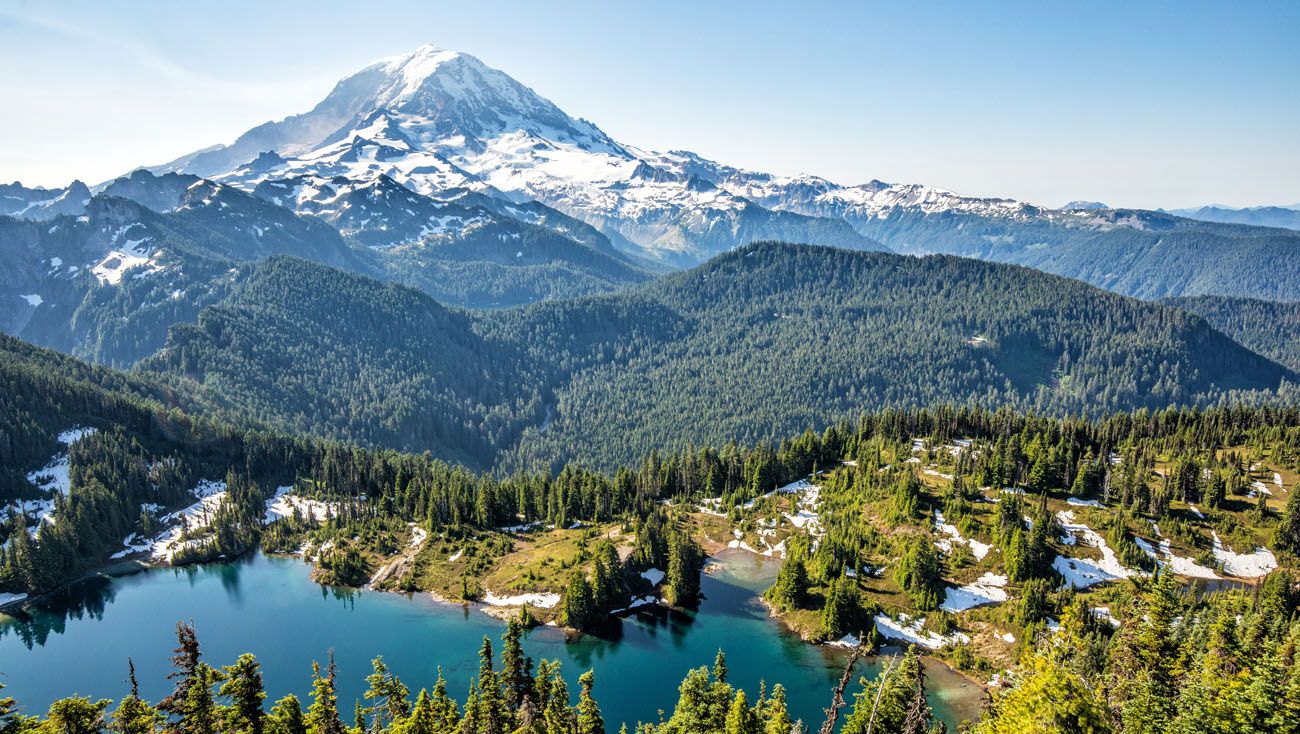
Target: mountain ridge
(743,347)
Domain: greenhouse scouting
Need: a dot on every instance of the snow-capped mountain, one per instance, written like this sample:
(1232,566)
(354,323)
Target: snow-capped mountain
(437,121)
(435,170)
(38,204)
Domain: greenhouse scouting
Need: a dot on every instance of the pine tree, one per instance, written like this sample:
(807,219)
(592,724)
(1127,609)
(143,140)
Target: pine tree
(358,718)
(469,723)
(286,717)
(516,667)
(790,590)
(421,719)
(917,720)
(589,719)
(243,687)
(694,711)
(75,715)
(685,560)
(133,714)
(579,605)
(918,572)
(444,708)
(492,714)
(740,717)
(323,714)
(883,704)
(720,666)
(776,714)
(185,660)
(1048,700)
(1287,535)
(199,714)
(558,716)
(389,694)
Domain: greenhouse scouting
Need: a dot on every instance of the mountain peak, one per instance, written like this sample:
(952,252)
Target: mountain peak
(407,73)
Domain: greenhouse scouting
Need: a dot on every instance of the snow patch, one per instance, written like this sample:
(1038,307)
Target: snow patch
(541,601)
(954,536)
(987,589)
(910,630)
(1244,565)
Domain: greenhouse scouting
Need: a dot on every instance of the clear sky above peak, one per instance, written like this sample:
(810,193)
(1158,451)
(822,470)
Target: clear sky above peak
(1158,104)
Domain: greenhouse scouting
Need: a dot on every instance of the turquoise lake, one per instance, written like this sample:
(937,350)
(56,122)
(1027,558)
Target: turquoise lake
(79,641)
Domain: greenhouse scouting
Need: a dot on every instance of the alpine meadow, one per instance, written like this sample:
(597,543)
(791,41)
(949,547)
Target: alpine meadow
(430,407)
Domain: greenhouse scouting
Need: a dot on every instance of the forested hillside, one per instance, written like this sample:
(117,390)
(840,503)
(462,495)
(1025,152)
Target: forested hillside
(316,350)
(1270,328)
(755,344)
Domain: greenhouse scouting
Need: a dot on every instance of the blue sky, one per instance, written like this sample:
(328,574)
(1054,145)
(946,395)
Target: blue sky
(1154,104)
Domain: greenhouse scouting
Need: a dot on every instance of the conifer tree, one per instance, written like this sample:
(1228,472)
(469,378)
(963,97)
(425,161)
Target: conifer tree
(443,707)
(516,667)
(243,687)
(918,572)
(185,662)
(579,605)
(740,717)
(492,714)
(685,560)
(776,714)
(75,715)
(589,720)
(790,590)
(323,714)
(389,694)
(286,717)
(199,713)
(1287,535)
(133,714)
(420,720)
(559,716)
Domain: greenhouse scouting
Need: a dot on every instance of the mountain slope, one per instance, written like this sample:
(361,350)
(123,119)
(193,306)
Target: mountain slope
(762,341)
(107,282)
(316,350)
(437,120)
(1135,252)
(1270,328)
(767,338)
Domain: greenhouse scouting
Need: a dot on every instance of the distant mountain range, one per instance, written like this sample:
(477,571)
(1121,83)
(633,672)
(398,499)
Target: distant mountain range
(1286,217)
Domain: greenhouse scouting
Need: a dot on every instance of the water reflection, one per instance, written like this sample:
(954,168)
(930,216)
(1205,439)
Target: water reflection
(34,623)
(269,606)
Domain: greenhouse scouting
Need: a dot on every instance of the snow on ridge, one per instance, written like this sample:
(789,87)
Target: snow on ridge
(54,476)
(210,495)
(282,505)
